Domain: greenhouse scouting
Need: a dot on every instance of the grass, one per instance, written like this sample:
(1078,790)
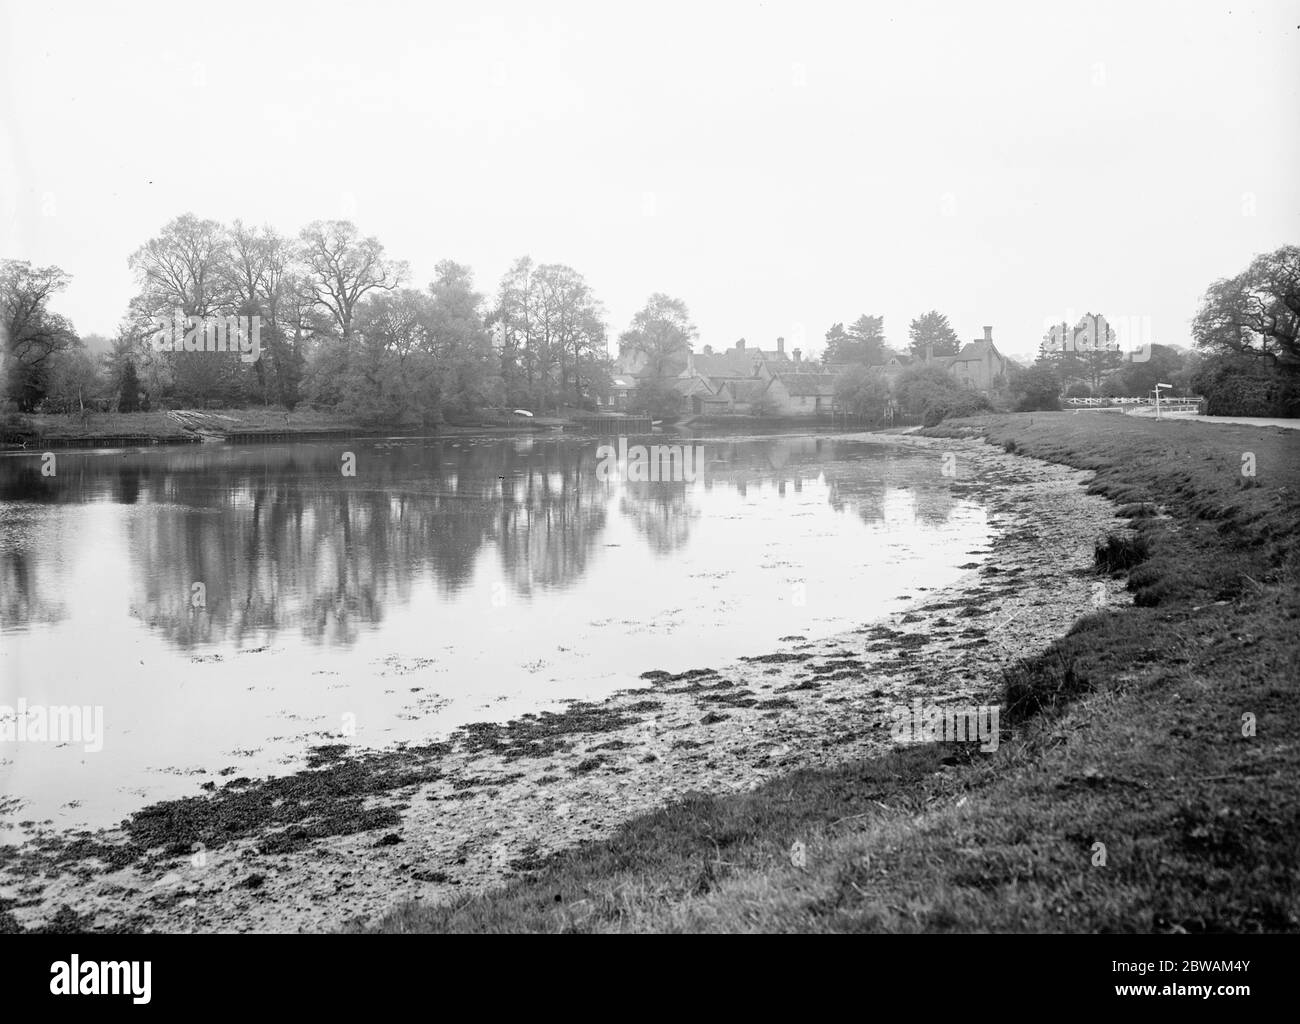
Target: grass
(1151,782)
(160,424)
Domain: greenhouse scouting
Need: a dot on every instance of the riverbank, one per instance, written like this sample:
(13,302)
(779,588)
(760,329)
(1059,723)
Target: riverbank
(1151,783)
(181,426)
(34,431)
(493,802)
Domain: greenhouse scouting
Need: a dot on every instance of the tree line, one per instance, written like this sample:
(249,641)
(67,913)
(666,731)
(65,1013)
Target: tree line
(343,328)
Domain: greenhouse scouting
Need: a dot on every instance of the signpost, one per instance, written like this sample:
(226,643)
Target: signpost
(1157,394)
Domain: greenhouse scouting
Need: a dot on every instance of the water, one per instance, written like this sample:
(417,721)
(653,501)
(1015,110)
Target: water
(449,581)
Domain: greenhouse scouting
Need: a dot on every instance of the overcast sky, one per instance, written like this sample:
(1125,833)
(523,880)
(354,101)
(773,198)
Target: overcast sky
(779,166)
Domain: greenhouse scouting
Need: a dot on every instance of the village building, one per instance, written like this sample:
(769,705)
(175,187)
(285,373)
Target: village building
(752,381)
(979,365)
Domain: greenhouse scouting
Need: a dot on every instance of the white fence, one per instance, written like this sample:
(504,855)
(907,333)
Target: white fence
(1192,404)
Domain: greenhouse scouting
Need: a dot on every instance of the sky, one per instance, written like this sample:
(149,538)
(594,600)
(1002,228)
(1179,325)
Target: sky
(778,166)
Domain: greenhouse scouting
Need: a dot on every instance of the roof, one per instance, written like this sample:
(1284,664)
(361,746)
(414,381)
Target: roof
(730,364)
(691,385)
(974,352)
(748,390)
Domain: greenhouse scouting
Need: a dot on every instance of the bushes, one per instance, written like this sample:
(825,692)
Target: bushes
(1238,386)
(1119,553)
(862,393)
(929,392)
(961,402)
(1036,389)
(919,387)
(657,399)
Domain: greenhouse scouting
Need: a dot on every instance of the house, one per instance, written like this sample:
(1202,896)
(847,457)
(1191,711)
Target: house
(803,394)
(736,363)
(622,386)
(979,365)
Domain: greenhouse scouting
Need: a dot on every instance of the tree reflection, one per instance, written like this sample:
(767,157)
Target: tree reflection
(281,539)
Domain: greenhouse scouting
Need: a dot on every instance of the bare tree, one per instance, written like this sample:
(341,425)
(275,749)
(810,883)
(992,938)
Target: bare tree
(343,267)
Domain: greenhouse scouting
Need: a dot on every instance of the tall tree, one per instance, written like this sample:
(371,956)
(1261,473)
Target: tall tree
(1088,351)
(30,332)
(128,395)
(572,324)
(343,267)
(552,332)
(75,379)
(863,342)
(185,271)
(185,267)
(932,330)
(1257,313)
(663,332)
(460,340)
(513,318)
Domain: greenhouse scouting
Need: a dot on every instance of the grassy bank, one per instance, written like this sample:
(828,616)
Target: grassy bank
(1150,781)
(164,427)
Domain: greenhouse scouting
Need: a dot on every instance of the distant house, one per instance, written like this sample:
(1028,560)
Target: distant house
(978,365)
(736,363)
(621,389)
(803,394)
(745,381)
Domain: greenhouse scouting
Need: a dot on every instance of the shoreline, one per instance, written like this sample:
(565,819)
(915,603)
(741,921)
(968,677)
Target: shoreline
(166,428)
(494,800)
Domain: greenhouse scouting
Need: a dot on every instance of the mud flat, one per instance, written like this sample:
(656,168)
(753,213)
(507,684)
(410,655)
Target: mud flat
(363,830)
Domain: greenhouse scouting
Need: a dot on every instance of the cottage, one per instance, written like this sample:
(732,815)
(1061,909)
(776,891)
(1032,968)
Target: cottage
(979,365)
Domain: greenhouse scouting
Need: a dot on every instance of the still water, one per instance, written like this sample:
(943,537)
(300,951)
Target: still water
(448,581)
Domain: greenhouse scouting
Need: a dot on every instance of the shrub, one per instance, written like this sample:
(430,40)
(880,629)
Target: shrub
(1036,389)
(1119,553)
(1237,386)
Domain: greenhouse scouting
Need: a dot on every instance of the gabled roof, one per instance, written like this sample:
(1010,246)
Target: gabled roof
(688,386)
(974,352)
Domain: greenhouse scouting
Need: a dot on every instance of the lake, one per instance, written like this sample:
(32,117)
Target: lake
(229,607)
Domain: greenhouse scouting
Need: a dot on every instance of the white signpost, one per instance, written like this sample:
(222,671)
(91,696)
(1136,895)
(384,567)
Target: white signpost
(1157,394)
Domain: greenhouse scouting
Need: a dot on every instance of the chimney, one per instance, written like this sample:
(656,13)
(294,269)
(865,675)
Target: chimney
(988,335)
(741,344)
(780,346)
(798,356)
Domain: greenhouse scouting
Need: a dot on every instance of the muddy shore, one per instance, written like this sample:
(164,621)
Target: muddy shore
(361,831)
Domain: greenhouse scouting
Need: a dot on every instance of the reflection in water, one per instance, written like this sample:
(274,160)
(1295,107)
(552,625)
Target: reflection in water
(281,539)
(448,581)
